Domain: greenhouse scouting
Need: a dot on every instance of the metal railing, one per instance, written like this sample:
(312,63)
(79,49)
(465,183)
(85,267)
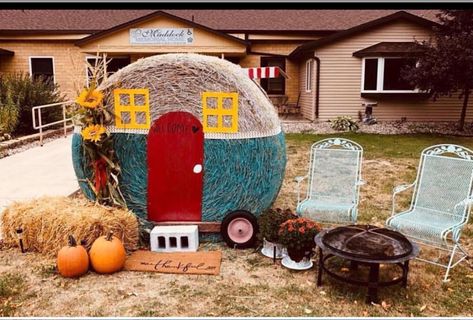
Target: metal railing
(39,126)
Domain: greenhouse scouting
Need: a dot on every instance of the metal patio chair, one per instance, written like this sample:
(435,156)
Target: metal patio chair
(334,181)
(441,201)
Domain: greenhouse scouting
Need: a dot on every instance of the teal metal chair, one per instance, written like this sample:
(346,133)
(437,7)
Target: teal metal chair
(334,181)
(441,202)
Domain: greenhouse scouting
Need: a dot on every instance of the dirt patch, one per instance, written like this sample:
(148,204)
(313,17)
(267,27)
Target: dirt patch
(249,285)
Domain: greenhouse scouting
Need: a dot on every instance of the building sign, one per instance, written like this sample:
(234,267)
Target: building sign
(161,36)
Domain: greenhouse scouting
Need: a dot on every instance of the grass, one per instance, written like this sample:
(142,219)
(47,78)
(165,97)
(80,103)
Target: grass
(385,146)
(250,284)
(11,286)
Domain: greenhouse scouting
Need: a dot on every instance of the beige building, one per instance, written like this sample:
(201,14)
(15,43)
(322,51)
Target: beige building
(336,61)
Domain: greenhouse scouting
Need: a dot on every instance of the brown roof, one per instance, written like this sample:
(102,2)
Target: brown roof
(390,48)
(77,21)
(89,21)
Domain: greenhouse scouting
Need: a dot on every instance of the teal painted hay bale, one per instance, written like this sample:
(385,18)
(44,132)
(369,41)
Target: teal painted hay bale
(82,169)
(243,174)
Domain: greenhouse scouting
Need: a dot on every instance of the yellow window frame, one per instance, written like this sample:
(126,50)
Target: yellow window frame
(220,112)
(131,108)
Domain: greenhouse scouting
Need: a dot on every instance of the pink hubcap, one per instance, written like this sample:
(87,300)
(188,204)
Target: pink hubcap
(240,230)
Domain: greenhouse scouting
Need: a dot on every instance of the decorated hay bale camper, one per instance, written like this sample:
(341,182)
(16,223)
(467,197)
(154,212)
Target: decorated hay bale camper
(197,141)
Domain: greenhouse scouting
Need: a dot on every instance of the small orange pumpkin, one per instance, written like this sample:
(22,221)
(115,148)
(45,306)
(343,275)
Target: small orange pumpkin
(72,260)
(107,254)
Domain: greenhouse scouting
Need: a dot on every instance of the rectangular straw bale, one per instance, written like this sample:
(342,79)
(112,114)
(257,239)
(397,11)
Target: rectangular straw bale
(48,221)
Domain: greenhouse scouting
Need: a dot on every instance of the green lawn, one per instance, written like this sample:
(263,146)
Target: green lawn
(390,146)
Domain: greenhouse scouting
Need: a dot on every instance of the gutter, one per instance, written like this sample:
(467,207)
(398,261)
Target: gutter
(317,86)
(248,51)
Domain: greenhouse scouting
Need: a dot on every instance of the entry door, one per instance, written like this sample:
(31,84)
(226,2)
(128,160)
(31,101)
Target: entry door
(175,168)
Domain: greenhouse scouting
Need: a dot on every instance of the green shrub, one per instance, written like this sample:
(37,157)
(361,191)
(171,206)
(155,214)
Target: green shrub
(9,116)
(26,93)
(344,123)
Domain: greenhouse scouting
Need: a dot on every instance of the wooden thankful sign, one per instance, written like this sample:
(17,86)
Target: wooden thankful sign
(205,262)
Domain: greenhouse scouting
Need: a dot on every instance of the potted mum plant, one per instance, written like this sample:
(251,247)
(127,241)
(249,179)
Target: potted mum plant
(269,222)
(297,235)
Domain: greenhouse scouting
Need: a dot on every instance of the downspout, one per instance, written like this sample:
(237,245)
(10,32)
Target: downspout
(317,86)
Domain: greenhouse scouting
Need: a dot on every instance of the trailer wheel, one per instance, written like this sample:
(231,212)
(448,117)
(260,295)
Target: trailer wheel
(239,229)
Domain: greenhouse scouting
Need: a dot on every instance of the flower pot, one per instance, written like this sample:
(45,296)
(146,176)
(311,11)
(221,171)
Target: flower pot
(304,264)
(298,259)
(269,247)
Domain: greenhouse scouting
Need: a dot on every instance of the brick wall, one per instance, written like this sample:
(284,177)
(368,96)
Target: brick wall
(69,68)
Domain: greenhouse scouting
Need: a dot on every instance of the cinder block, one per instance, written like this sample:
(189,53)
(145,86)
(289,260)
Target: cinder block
(175,238)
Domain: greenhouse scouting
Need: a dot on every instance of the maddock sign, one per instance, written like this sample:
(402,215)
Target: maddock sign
(162,36)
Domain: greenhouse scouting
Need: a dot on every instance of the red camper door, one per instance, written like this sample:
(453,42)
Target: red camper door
(175,168)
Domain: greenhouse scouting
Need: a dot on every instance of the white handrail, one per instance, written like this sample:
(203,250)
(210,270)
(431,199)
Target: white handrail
(40,125)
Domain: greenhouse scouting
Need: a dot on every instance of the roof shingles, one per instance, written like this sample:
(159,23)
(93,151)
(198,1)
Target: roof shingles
(88,21)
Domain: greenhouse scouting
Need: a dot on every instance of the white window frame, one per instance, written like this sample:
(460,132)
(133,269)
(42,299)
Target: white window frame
(308,75)
(36,57)
(380,77)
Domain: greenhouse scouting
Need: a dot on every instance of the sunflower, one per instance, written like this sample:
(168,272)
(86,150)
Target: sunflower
(89,98)
(93,132)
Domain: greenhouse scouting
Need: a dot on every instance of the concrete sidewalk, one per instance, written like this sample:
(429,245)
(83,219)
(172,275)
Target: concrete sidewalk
(38,171)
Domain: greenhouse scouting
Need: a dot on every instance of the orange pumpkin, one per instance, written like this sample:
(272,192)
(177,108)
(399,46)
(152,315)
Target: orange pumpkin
(107,254)
(72,260)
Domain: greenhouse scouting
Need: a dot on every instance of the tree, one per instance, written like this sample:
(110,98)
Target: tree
(446,66)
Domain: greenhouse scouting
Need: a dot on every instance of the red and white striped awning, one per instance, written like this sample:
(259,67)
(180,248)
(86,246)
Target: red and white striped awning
(265,72)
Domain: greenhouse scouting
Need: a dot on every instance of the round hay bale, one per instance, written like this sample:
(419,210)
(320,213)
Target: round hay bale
(243,170)
(47,222)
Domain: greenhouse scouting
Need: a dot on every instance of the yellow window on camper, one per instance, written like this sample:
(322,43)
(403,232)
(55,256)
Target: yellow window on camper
(220,112)
(132,108)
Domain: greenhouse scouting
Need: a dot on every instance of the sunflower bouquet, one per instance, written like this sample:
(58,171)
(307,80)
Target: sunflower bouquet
(91,115)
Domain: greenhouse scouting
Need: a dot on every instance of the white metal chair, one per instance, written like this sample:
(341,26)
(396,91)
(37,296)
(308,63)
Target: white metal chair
(334,180)
(441,201)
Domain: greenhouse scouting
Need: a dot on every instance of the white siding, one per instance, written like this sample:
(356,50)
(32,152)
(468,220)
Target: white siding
(340,80)
(307,98)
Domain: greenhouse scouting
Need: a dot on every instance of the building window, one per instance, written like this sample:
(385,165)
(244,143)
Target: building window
(114,64)
(308,76)
(42,68)
(384,75)
(274,85)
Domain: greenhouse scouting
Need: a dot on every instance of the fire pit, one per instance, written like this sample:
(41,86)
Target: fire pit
(365,245)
